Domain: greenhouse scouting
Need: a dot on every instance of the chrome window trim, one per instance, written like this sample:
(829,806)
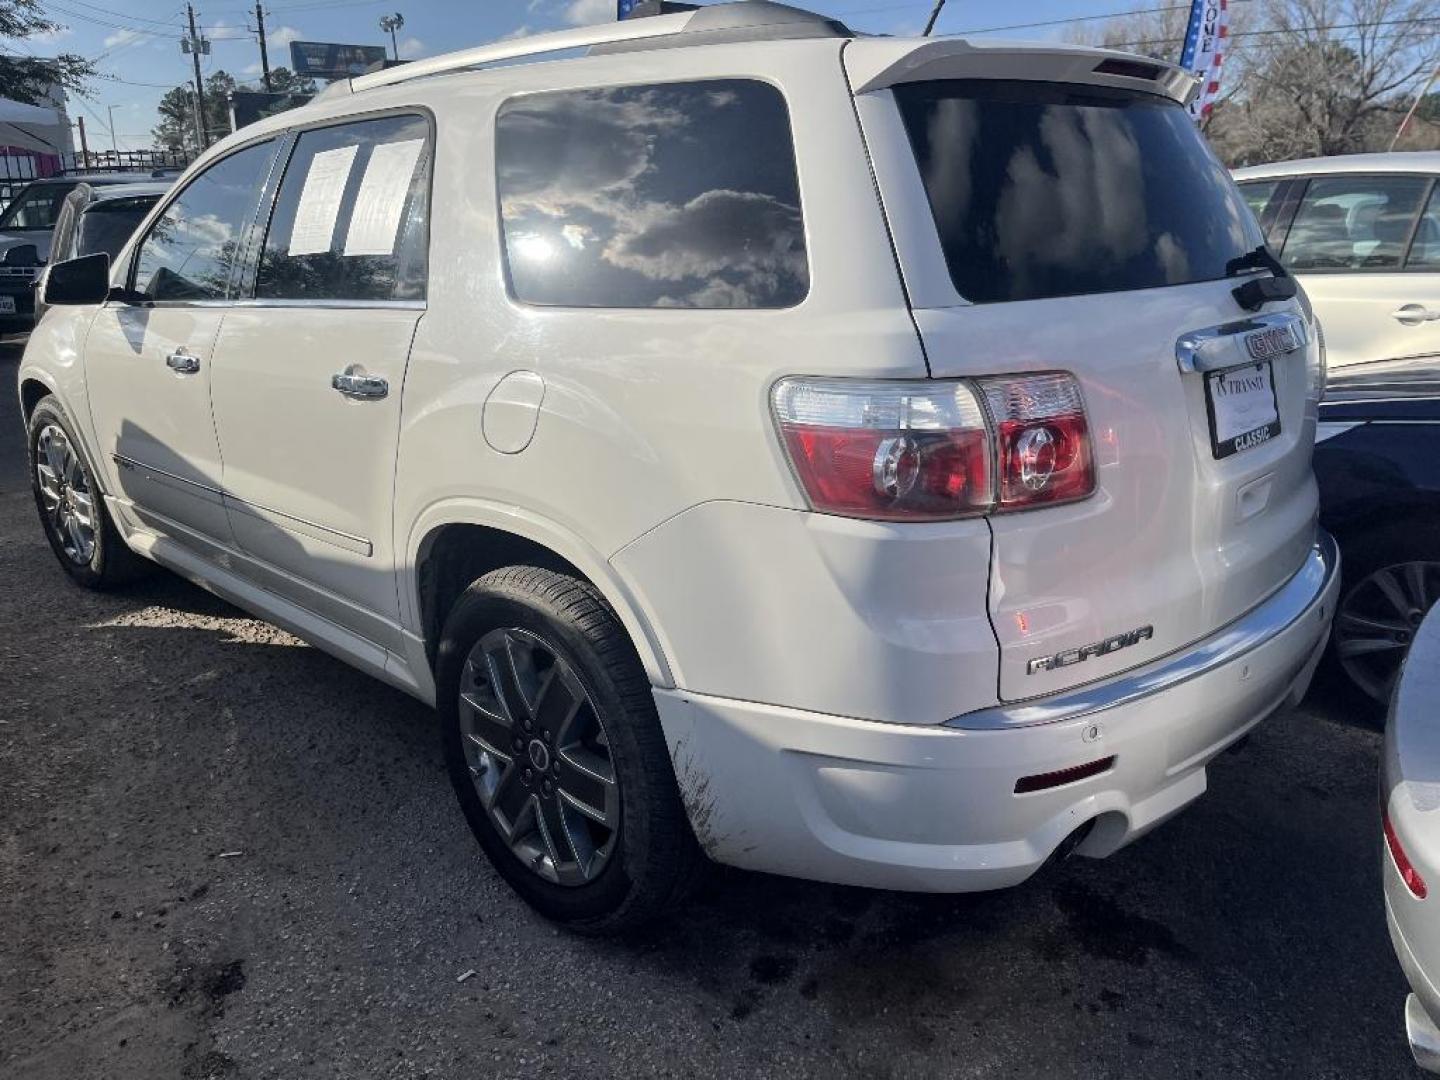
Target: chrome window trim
(342,305)
(1295,600)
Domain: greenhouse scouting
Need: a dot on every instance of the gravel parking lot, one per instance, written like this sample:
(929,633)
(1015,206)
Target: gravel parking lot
(223,854)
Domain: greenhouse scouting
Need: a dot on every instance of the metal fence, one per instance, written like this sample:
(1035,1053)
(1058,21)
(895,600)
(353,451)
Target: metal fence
(19,166)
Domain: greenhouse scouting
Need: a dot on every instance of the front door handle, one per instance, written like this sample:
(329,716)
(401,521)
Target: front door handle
(1414,314)
(182,363)
(355,384)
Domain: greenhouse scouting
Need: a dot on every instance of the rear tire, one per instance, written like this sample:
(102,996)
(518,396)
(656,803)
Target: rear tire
(1391,578)
(525,744)
(72,506)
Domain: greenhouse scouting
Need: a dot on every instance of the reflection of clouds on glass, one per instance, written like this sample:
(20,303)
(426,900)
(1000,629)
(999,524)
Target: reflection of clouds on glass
(1170,255)
(1087,206)
(204,229)
(676,195)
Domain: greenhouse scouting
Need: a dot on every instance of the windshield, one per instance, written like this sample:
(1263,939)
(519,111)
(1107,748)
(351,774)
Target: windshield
(105,226)
(1044,189)
(36,207)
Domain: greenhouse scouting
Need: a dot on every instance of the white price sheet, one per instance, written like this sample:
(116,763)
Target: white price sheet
(320,201)
(376,218)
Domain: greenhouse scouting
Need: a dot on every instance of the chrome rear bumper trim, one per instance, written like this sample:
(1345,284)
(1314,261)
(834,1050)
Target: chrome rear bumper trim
(1297,599)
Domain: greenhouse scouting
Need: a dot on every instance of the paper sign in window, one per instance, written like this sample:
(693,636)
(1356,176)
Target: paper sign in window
(376,219)
(320,201)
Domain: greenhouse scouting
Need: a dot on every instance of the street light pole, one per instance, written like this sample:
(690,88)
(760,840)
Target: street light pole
(393,23)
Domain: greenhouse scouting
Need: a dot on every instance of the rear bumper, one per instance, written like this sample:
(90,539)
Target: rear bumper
(934,808)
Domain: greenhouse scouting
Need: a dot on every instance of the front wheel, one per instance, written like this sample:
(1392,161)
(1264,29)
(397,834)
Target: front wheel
(555,751)
(71,506)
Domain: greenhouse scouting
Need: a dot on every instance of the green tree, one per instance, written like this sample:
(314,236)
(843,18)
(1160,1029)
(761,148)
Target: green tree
(29,78)
(176,129)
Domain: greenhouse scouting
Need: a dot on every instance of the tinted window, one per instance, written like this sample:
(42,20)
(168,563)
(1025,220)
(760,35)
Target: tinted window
(192,248)
(1425,251)
(106,225)
(1354,223)
(37,207)
(350,220)
(1040,189)
(667,195)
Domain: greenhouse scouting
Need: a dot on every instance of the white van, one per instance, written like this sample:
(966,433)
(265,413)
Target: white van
(873,460)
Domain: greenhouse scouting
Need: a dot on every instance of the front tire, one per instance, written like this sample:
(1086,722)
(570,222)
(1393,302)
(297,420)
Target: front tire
(556,754)
(72,506)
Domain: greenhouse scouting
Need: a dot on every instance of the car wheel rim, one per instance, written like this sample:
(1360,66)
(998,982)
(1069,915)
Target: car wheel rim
(1377,621)
(538,756)
(66,494)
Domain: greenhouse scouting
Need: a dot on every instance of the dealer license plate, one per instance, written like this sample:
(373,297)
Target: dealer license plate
(1243,412)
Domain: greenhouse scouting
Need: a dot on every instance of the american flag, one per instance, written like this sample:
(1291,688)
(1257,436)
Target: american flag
(1204,50)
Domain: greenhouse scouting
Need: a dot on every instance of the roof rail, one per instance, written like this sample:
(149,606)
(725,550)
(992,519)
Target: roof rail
(536,45)
(742,20)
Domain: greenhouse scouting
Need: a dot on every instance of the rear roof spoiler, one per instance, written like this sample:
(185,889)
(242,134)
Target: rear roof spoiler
(878,63)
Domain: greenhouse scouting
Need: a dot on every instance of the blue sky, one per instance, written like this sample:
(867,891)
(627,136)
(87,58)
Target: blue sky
(138,41)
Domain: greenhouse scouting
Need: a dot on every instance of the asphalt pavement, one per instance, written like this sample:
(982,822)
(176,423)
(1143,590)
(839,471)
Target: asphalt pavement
(224,854)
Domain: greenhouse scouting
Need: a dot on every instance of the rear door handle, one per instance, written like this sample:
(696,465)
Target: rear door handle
(1414,314)
(182,362)
(354,384)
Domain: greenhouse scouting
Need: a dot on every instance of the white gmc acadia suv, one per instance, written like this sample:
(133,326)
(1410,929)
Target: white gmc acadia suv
(874,460)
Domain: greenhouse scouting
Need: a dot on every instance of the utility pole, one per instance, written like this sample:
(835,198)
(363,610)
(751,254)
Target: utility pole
(264,55)
(84,147)
(114,143)
(195,45)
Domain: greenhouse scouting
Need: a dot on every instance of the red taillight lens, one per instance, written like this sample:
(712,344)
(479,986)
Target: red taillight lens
(927,451)
(1408,874)
(1043,440)
(895,451)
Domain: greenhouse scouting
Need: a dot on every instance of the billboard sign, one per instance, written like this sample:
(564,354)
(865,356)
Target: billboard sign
(327,60)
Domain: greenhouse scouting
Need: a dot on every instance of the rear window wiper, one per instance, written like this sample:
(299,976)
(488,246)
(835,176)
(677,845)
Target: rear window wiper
(1257,292)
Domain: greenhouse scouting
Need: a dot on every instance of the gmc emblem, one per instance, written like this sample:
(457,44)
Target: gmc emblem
(1085,652)
(1268,344)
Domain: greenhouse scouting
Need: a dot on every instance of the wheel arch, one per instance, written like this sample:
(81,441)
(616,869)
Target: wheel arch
(453,543)
(32,389)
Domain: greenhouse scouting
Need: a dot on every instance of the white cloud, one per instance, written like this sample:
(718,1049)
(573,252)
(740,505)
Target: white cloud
(121,37)
(253,69)
(518,32)
(282,37)
(411,48)
(52,35)
(586,12)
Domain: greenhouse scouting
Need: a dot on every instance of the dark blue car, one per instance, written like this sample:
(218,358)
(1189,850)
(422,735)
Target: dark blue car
(1377,460)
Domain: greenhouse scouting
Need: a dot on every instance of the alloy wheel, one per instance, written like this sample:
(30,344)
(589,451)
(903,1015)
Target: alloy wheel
(66,494)
(538,756)
(1377,621)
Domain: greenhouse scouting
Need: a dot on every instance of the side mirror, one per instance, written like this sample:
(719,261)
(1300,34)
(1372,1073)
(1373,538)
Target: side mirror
(85,280)
(22,255)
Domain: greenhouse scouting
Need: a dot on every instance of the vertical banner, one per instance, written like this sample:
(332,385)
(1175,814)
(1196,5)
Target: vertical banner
(1204,50)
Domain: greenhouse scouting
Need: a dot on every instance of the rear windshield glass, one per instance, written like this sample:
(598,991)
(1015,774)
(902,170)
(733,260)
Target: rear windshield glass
(1042,189)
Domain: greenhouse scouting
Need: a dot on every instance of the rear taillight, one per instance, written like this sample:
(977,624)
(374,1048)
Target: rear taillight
(934,450)
(1408,874)
(1043,440)
(898,451)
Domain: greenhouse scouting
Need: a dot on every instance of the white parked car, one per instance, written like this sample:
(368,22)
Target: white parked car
(1362,234)
(874,460)
(1411,823)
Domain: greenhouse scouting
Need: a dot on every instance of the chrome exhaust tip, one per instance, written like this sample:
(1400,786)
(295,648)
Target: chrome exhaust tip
(1423,1035)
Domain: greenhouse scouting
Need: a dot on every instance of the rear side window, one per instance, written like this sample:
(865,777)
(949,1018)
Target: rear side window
(193,246)
(1354,223)
(1044,189)
(350,219)
(663,195)
(1425,251)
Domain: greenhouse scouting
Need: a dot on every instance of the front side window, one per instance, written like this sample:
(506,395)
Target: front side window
(192,248)
(661,195)
(1354,223)
(36,208)
(1048,189)
(350,220)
